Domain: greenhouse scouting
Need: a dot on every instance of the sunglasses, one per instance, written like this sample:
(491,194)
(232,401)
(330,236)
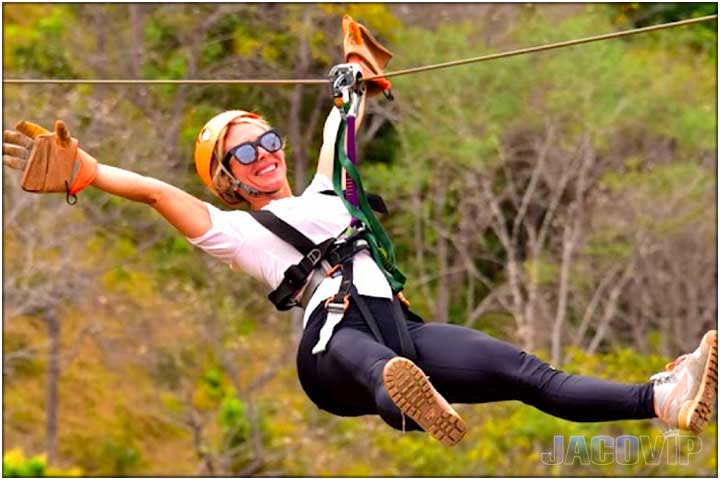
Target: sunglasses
(246,153)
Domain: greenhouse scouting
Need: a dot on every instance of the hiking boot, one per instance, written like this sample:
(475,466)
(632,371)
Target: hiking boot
(685,393)
(413,393)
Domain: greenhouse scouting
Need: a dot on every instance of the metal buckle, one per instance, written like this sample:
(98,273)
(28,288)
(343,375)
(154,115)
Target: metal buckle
(361,245)
(333,307)
(314,255)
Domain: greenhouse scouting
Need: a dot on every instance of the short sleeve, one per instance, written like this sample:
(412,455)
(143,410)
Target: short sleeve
(225,236)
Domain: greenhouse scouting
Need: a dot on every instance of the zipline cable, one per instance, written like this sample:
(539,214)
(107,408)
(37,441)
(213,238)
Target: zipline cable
(323,81)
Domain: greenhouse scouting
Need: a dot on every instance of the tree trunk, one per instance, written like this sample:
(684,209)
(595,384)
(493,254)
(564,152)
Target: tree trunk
(53,378)
(442,296)
(137,27)
(137,50)
(569,239)
(299,149)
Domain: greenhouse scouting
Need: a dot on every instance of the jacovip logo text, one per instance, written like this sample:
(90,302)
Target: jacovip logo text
(624,450)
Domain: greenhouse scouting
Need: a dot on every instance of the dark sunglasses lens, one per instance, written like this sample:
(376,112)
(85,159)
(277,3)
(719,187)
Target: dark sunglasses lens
(245,154)
(271,142)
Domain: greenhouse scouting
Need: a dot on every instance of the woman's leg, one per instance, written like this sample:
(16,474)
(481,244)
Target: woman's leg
(347,379)
(467,366)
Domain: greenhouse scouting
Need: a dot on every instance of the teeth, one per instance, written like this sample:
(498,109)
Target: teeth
(267,169)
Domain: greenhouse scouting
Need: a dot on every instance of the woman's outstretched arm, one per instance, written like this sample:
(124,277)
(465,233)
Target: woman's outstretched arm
(183,211)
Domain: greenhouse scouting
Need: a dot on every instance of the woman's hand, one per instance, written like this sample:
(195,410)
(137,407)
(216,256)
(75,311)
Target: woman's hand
(17,147)
(49,160)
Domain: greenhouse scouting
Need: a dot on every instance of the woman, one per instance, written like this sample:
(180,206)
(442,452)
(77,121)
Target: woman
(240,158)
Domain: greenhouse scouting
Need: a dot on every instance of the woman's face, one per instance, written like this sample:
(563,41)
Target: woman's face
(268,173)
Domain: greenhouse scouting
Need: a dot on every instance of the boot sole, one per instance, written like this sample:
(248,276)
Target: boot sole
(695,413)
(413,393)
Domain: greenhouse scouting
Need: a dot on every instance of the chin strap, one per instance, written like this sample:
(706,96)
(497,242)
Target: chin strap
(237,184)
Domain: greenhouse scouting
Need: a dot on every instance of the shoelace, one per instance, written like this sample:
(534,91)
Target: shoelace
(670,366)
(670,373)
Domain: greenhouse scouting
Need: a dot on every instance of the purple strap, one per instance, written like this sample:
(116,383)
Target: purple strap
(350,187)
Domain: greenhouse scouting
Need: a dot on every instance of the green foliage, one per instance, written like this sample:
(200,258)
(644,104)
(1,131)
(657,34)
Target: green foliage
(15,464)
(686,186)
(644,14)
(233,420)
(36,40)
(124,459)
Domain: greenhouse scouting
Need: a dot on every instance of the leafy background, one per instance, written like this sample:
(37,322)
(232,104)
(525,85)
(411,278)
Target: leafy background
(564,201)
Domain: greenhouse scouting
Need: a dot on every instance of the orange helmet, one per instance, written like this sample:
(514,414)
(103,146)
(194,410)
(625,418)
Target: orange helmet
(208,147)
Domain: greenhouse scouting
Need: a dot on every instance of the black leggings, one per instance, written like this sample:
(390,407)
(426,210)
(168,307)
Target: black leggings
(463,364)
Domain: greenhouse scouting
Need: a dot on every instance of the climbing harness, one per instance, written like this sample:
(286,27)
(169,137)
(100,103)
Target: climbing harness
(328,259)
(334,256)
(333,252)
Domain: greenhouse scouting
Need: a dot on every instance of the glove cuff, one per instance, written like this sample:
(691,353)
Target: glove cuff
(84,172)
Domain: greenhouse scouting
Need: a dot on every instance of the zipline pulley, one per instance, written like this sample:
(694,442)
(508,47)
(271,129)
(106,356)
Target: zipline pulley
(346,88)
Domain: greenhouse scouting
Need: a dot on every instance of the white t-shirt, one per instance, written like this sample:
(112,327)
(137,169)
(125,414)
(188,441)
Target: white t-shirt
(240,241)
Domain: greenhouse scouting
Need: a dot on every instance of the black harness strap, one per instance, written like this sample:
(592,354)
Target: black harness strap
(376,201)
(283,230)
(365,312)
(294,277)
(347,280)
(407,347)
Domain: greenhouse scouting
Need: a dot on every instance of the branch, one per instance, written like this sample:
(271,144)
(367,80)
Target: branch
(610,309)
(592,305)
(534,179)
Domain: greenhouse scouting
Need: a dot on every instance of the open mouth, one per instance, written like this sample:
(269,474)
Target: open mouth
(267,170)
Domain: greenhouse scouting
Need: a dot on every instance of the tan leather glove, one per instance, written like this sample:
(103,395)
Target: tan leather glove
(49,160)
(361,47)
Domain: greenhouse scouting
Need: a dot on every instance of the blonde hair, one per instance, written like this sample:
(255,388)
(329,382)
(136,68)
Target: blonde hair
(220,179)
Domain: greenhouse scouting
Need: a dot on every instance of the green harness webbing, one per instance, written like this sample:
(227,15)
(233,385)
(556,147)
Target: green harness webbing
(380,244)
